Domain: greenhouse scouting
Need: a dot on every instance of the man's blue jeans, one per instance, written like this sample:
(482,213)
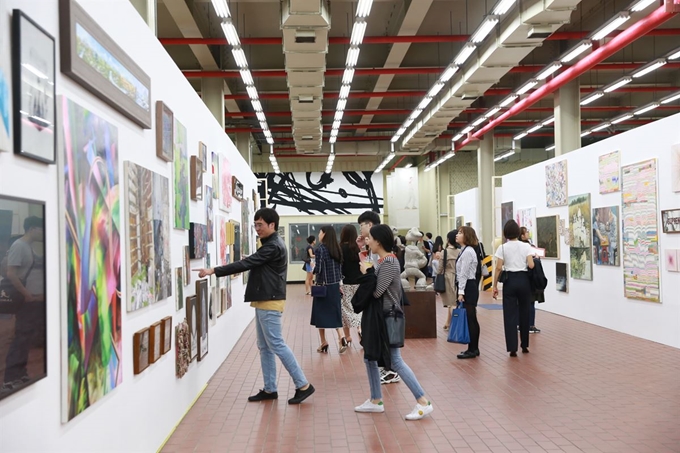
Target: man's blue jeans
(270,343)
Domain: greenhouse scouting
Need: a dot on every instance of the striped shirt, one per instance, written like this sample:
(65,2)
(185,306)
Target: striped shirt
(388,285)
(466,267)
(327,269)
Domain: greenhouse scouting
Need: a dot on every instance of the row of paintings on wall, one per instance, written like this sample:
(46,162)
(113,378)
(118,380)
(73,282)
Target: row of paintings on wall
(149,343)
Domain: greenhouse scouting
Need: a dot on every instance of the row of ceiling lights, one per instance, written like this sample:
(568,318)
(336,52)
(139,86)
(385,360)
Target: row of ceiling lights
(567,57)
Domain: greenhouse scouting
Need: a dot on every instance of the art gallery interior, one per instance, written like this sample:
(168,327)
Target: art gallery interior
(139,137)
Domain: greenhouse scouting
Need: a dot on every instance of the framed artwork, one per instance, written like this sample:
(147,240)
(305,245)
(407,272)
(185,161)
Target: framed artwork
(254,198)
(556,184)
(90,217)
(192,321)
(225,184)
(198,241)
(140,350)
(196,179)
(237,187)
(507,213)
(155,340)
(148,224)
(527,218)
(213,305)
(580,234)
(548,236)
(179,288)
(299,232)
(223,301)
(671,258)
(640,241)
(187,265)
(209,214)
(609,169)
(606,237)
(181,177)
(165,132)
(215,168)
(19,367)
(670,220)
(5,90)
(222,241)
(203,300)
(561,277)
(460,221)
(207,260)
(34,89)
(237,241)
(203,156)
(90,57)
(245,233)
(675,168)
(182,348)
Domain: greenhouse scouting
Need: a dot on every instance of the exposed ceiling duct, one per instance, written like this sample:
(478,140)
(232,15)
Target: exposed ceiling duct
(305,25)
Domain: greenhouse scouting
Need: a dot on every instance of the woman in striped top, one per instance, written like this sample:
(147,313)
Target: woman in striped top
(468,286)
(388,288)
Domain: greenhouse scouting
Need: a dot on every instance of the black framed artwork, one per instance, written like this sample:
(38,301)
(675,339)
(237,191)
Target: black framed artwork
(33,89)
(23,327)
(92,58)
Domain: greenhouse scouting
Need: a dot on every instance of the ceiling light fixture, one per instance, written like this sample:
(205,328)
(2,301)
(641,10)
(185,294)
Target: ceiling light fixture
(338,115)
(347,76)
(671,98)
(593,97)
(484,29)
(642,4)
(331,159)
(336,124)
(622,118)
(586,133)
(409,165)
(616,85)
(503,6)
(602,126)
(247,77)
(342,103)
(478,121)
(252,92)
(257,106)
(576,51)
(239,57)
(467,130)
(464,54)
(675,55)
(436,88)
(504,155)
(352,57)
(527,86)
(610,26)
(221,8)
(492,112)
(344,92)
(448,73)
(424,103)
(548,121)
(550,148)
(535,128)
(230,33)
(386,161)
(458,137)
(364,8)
(358,31)
(509,100)
(649,68)
(544,74)
(260,116)
(520,136)
(646,108)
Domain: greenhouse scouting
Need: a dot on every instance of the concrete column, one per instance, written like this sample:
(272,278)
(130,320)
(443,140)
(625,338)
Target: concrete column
(444,190)
(243,146)
(568,118)
(212,93)
(147,9)
(485,173)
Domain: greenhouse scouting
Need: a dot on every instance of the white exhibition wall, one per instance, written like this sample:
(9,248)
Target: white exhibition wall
(601,301)
(402,196)
(466,204)
(141,412)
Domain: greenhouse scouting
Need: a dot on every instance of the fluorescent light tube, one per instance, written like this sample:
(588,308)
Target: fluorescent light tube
(478,121)
(642,4)
(409,165)
(492,112)
(548,121)
(504,156)
(264,126)
(527,86)
(230,33)
(593,97)
(347,76)
(334,132)
(503,7)
(416,113)
(332,139)
(576,51)
(221,8)
(647,69)
(671,98)
(270,140)
(586,133)
(401,131)
(342,103)
(675,55)
(239,57)
(336,124)
(252,92)
(550,148)
(257,106)
(484,29)
(344,92)
(509,100)
(616,85)
(338,115)
(549,70)
(267,133)
(458,136)
(395,138)
(408,122)
(464,54)
(610,26)
(436,88)
(424,103)
(358,31)
(364,8)
(247,77)
(601,127)
(622,118)
(466,130)
(448,73)
(646,108)
(260,116)
(520,136)
(534,128)
(352,57)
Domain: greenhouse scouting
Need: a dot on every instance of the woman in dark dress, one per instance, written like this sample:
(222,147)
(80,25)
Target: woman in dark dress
(350,280)
(326,311)
(309,265)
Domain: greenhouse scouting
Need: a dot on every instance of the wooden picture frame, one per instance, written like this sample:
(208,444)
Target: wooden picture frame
(166,334)
(198,241)
(203,156)
(196,178)
(33,89)
(165,132)
(202,300)
(670,221)
(155,342)
(80,39)
(140,350)
(192,319)
(237,188)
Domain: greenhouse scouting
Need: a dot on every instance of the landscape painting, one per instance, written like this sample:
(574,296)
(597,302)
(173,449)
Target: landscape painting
(580,233)
(181,177)
(606,236)
(547,236)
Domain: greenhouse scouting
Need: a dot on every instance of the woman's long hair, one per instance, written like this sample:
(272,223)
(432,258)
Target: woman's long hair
(438,244)
(330,240)
(348,236)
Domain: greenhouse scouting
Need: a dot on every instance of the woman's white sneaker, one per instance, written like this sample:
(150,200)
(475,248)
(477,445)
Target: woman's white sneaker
(370,406)
(419,411)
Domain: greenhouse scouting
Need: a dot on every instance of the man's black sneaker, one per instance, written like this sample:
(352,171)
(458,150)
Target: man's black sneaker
(301,395)
(262,396)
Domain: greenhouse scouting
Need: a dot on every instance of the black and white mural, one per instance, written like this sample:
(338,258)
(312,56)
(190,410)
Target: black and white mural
(347,192)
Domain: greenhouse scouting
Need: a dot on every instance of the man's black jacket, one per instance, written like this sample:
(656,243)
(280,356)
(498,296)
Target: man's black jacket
(268,268)
(374,337)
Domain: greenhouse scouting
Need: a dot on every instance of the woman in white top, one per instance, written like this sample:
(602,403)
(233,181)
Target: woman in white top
(467,284)
(516,258)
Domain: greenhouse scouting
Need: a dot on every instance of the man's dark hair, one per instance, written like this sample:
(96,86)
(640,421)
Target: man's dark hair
(369,216)
(32,222)
(268,215)
(330,240)
(511,230)
(451,237)
(429,235)
(384,236)
(311,239)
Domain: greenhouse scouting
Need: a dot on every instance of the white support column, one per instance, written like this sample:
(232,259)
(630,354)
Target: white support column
(243,146)
(485,173)
(212,93)
(147,9)
(568,118)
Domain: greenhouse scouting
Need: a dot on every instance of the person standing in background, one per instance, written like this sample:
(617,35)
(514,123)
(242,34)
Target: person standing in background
(448,268)
(308,266)
(467,282)
(350,280)
(538,295)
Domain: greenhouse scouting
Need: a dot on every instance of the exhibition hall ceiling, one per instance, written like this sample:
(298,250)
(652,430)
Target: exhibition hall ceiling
(408,44)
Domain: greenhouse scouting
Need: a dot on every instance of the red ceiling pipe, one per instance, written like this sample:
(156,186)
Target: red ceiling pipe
(397,162)
(626,37)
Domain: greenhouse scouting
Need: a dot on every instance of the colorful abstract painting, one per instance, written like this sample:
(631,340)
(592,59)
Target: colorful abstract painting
(225,185)
(222,238)
(556,184)
(580,236)
(671,257)
(527,218)
(675,168)
(606,237)
(91,322)
(609,168)
(640,232)
(149,274)
(181,177)
(5,102)
(209,214)
(215,170)
(245,221)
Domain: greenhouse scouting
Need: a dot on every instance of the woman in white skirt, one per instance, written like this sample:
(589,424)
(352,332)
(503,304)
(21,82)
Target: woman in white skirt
(350,280)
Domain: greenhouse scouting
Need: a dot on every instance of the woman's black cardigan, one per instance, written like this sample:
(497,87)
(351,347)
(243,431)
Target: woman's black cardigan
(374,337)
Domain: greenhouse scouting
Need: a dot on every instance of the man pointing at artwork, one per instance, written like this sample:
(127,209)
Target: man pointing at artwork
(266,292)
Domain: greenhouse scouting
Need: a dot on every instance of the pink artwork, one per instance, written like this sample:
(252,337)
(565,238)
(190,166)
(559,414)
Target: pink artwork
(672,257)
(225,184)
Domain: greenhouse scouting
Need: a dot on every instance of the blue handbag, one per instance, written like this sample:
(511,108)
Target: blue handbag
(458,330)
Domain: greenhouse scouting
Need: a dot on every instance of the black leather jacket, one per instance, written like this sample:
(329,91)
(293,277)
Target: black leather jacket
(268,270)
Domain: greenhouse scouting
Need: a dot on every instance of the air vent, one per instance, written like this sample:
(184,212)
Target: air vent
(305,36)
(539,32)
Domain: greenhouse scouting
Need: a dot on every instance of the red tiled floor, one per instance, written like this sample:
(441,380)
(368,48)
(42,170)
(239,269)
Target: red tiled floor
(581,389)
